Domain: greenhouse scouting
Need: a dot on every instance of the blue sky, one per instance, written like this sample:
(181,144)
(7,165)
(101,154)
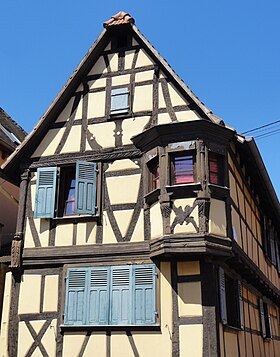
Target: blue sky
(227,52)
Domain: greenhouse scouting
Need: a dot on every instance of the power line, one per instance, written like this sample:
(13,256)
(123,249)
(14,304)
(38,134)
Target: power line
(270,133)
(261,127)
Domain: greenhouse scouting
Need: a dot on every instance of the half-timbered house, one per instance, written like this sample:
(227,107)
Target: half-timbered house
(11,135)
(146,226)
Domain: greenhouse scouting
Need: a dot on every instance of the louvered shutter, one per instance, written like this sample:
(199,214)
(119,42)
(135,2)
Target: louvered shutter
(240,304)
(272,246)
(85,192)
(120,300)
(75,305)
(119,101)
(277,254)
(144,294)
(98,299)
(262,318)
(223,303)
(45,192)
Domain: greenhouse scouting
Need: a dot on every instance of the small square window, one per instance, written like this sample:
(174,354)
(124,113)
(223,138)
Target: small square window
(183,168)
(153,167)
(119,101)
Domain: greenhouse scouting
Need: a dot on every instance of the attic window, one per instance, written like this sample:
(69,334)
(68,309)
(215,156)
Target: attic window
(119,101)
(121,41)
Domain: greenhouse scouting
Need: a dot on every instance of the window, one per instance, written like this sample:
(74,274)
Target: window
(230,301)
(119,101)
(77,190)
(183,168)
(216,168)
(265,319)
(111,295)
(153,167)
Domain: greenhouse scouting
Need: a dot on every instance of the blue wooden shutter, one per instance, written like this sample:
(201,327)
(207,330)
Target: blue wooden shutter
(85,192)
(223,303)
(121,277)
(75,305)
(45,192)
(119,101)
(98,303)
(144,294)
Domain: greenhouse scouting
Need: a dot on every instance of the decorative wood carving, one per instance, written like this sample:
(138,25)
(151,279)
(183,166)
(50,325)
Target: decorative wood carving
(183,215)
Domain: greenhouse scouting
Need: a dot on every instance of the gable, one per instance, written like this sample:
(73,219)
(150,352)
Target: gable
(86,123)
(80,119)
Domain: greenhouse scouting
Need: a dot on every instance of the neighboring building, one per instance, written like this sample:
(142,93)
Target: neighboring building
(11,135)
(148,226)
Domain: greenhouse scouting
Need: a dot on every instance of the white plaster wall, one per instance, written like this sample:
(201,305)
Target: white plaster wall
(5,316)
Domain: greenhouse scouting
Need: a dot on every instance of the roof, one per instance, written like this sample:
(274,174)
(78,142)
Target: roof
(11,134)
(120,18)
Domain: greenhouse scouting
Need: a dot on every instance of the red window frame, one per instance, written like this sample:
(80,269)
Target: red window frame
(216,168)
(154,177)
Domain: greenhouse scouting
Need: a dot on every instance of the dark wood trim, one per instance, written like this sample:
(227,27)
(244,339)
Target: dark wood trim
(90,253)
(42,290)
(75,228)
(69,124)
(112,154)
(37,316)
(84,118)
(188,278)
(110,328)
(37,337)
(30,218)
(209,294)
(108,344)
(118,73)
(191,320)
(167,100)
(162,135)
(125,172)
(123,206)
(179,244)
(132,344)
(84,345)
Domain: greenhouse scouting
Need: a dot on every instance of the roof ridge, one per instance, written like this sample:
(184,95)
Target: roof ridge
(13,121)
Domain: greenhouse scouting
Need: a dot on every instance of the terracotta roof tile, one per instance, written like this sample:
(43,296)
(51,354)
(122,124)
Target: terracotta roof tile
(119,19)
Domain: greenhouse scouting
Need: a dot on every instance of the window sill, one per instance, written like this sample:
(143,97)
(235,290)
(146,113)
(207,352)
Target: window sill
(152,196)
(120,116)
(75,219)
(184,190)
(233,328)
(78,328)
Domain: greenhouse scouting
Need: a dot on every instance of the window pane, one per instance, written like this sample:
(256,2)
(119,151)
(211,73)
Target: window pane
(216,168)
(119,101)
(69,208)
(183,169)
